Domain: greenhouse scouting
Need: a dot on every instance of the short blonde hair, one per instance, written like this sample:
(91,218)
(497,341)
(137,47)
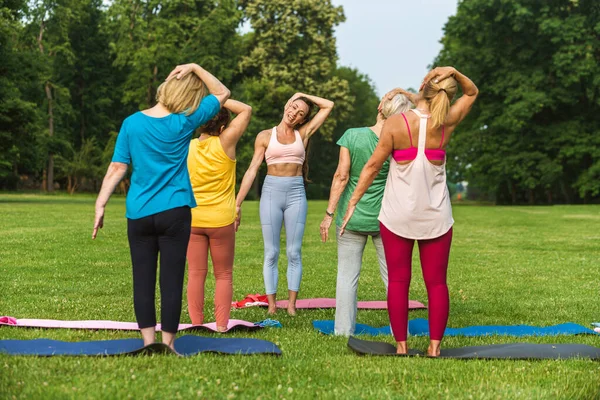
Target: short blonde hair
(181,95)
(397,105)
(439,95)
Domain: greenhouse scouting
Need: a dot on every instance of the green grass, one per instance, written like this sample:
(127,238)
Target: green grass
(517,265)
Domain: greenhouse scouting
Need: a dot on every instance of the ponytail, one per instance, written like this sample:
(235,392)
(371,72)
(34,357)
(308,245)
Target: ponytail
(439,95)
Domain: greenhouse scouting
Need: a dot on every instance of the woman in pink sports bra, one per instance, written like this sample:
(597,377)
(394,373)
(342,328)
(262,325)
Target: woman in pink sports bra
(416,202)
(283,199)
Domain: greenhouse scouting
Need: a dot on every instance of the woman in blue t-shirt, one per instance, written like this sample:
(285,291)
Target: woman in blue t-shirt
(155,142)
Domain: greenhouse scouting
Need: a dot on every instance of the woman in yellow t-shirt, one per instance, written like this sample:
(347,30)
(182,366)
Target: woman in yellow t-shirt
(211,164)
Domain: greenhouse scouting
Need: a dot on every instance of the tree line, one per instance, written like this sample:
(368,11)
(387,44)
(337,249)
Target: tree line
(72,70)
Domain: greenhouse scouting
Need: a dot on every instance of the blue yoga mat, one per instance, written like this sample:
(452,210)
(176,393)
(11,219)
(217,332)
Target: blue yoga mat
(184,345)
(420,327)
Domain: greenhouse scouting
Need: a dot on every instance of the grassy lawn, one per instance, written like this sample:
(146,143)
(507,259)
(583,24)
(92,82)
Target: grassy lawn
(517,265)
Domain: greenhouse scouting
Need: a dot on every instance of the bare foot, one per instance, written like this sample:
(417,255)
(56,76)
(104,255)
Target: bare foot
(434,348)
(402,348)
(221,329)
(291,310)
(272,310)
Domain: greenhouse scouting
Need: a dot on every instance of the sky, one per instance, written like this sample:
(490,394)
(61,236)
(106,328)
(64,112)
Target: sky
(392,41)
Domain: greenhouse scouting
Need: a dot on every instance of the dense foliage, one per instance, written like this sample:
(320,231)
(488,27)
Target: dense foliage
(72,70)
(534,133)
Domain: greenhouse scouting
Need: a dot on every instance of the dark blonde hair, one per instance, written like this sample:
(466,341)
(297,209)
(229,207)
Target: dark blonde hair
(181,95)
(439,95)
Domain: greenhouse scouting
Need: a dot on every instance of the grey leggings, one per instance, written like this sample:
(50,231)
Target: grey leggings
(351,247)
(283,200)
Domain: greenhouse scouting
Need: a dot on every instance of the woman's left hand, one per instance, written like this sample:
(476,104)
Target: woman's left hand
(325,224)
(347,217)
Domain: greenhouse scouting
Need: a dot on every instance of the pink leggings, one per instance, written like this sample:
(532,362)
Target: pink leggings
(434,255)
(221,242)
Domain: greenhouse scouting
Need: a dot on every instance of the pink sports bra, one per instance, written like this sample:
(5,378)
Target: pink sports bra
(410,154)
(278,153)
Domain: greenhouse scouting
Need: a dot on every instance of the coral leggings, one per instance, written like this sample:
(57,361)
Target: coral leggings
(221,242)
(434,254)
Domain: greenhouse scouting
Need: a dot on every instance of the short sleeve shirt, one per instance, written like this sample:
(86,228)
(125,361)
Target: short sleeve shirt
(157,149)
(361,143)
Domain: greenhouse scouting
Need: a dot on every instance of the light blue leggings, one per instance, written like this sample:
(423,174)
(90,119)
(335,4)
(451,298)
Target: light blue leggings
(283,200)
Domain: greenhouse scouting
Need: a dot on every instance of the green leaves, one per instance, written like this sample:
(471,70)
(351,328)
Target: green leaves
(531,135)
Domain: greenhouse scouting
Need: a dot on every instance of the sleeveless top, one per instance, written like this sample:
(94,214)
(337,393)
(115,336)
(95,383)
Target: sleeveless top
(416,201)
(278,153)
(212,174)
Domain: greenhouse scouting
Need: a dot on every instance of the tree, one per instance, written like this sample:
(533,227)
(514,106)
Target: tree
(291,49)
(20,119)
(533,134)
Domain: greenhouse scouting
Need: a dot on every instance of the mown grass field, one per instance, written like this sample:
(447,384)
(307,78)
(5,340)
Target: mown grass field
(509,265)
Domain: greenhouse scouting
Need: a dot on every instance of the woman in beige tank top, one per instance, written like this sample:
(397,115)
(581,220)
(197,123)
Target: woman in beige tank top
(416,202)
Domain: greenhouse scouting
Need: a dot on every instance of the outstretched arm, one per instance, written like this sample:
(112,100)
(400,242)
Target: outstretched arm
(325,107)
(340,180)
(372,167)
(116,172)
(231,135)
(260,146)
(213,85)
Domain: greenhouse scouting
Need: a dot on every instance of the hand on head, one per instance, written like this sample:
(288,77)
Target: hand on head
(437,74)
(180,71)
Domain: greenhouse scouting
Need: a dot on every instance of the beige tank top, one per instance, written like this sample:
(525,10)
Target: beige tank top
(416,201)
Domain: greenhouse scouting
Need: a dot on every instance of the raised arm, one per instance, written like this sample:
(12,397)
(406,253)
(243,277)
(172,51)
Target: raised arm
(213,85)
(116,171)
(325,107)
(231,135)
(461,107)
(340,180)
(260,146)
(373,166)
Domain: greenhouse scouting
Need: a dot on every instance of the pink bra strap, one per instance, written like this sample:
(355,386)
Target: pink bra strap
(408,127)
(442,142)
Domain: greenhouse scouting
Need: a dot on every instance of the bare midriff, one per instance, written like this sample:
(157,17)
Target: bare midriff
(285,169)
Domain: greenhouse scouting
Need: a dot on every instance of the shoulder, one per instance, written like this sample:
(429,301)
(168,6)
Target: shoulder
(264,136)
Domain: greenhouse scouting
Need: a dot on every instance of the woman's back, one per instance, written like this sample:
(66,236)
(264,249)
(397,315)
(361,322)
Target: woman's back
(361,142)
(416,203)
(157,149)
(212,175)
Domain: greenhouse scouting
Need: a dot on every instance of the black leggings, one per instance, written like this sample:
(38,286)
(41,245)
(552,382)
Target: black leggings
(167,232)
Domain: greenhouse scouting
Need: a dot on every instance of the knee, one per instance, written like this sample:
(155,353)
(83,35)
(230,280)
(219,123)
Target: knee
(294,256)
(271,256)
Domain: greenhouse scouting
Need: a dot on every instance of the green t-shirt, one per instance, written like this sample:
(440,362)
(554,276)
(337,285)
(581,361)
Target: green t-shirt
(361,143)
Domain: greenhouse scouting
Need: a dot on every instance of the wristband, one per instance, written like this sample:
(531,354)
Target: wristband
(328,213)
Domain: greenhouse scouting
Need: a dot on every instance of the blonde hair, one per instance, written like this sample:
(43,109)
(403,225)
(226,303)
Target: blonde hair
(439,95)
(398,104)
(181,95)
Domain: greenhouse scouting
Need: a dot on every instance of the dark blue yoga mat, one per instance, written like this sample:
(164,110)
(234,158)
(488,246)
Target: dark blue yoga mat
(420,327)
(508,351)
(184,345)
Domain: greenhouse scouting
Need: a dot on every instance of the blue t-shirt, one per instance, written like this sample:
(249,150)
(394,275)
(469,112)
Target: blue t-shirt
(157,148)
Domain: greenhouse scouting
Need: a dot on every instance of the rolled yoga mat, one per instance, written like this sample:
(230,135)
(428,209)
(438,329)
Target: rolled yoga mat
(184,346)
(420,327)
(510,351)
(253,300)
(233,325)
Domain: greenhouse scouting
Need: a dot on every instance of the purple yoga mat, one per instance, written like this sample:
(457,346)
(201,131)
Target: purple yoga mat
(234,324)
(330,303)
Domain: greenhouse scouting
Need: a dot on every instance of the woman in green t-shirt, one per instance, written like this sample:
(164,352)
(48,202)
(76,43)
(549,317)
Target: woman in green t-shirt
(356,147)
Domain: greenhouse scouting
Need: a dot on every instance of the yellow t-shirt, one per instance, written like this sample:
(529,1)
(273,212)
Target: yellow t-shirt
(212,174)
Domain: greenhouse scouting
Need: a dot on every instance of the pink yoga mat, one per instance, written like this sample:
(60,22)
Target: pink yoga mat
(234,324)
(330,303)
